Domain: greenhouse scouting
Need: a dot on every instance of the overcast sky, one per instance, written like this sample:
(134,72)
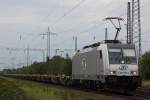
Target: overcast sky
(22,22)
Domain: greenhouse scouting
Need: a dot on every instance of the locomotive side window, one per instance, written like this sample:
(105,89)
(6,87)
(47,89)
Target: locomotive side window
(84,63)
(100,54)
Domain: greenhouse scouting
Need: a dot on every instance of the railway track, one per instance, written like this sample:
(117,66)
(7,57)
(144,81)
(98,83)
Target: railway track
(143,93)
(140,94)
(121,96)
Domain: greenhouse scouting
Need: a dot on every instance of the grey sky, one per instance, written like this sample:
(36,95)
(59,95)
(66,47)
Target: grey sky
(29,18)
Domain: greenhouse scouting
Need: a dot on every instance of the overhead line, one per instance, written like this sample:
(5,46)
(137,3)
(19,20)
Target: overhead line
(86,29)
(67,13)
(63,15)
(74,9)
(93,20)
(76,6)
(78,34)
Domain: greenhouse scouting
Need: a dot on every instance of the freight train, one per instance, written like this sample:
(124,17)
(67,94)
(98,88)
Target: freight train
(104,65)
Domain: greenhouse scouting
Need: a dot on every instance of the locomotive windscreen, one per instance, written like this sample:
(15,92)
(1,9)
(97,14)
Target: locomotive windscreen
(122,55)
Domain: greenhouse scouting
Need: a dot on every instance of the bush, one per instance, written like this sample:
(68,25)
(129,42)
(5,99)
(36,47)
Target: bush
(56,66)
(145,66)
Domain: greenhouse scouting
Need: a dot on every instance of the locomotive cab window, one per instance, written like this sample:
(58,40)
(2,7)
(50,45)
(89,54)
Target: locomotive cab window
(129,56)
(116,56)
(129,52)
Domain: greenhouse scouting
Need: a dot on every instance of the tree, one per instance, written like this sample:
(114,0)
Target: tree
(145,66)
(56,66)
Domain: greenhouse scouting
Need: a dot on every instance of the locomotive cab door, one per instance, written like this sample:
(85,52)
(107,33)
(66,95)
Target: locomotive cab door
(100,60)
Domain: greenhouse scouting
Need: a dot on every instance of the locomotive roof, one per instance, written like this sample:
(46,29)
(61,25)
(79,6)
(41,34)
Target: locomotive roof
(110,43)
(99,43)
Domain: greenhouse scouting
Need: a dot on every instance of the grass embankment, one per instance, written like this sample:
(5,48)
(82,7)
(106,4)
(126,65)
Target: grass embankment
(40,91)
(10,91)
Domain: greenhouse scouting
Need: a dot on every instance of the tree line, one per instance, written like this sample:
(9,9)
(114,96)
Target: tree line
(56,66)
(59,65)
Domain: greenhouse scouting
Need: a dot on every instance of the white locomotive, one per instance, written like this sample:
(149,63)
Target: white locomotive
(108,64)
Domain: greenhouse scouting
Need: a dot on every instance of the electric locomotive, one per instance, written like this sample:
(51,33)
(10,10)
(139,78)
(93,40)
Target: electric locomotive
(108,64)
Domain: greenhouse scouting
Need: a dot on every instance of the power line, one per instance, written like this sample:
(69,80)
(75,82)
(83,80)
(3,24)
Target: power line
(21,37)
(38,27)
(59,19)
(94,20)
(79,33)
(72,9)
(28,49)
(108,5)
(67,13)
(70,12)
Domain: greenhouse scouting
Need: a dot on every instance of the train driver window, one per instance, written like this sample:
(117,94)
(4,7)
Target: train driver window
(100,54)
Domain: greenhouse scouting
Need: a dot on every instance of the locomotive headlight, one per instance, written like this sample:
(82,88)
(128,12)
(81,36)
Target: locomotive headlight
(113,72)
(134,73)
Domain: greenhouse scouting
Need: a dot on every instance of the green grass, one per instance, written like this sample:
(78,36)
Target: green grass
(40,91)
(15,89)
(10,91)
